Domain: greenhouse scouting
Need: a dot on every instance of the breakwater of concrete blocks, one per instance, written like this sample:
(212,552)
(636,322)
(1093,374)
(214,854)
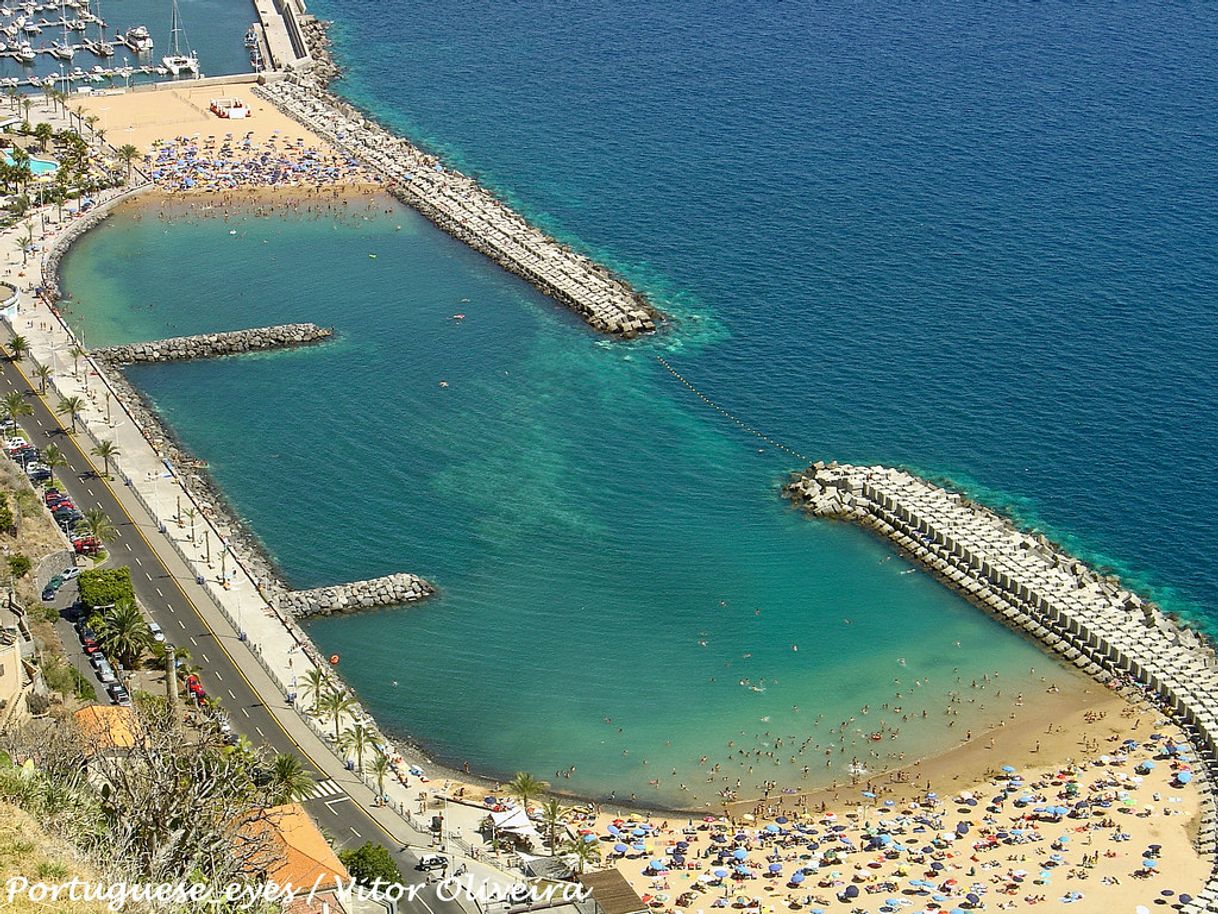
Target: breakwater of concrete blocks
(460,206)
(1033,585)
(213,345)
(390,590)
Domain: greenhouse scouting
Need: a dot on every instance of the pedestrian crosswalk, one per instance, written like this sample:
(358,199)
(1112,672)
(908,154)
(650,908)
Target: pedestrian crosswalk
(327,788)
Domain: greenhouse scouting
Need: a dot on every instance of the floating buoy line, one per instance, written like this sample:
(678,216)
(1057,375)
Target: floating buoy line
(728,415)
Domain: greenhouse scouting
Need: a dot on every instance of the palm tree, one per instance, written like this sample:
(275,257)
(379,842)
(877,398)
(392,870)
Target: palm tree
(191,514)
(123,633)
(552,814)
(24,240)
(316,684)
(585,852)
(525,787)
(169,658)
(98,524)
(73,406)
(357,739)
(53,458)
(43,374)
(380,767)
(107,451)
(14,406)
(43,132)
(287,779)
(76,353)
(128,154)
(335,704)
(19,348)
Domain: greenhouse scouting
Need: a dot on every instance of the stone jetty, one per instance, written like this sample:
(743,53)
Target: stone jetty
(212,345)
(459,205)
(1033,585)
(390,590)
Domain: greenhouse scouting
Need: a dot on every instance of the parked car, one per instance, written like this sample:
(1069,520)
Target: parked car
(48,593)
(118,694)
(432,862)
(38,474)
(98,659)
(70,574)
(87,545)
(156,632)
(52,493)
(105,673)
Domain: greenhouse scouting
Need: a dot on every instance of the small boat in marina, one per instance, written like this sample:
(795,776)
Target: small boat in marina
(25,53)
(61,50)
(251,38)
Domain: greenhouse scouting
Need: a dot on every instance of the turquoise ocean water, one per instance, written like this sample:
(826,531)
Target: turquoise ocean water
(981,244)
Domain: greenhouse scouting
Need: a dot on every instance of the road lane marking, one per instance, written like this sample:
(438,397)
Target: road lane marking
(158,592)
(138,562)
(182,625)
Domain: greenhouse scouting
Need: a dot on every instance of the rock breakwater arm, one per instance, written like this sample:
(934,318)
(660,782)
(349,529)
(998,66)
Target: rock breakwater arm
(460,206)
(1035,586)
(212,345)
(390,590)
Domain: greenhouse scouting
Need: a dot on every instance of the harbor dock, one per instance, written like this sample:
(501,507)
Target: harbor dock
(1025,580)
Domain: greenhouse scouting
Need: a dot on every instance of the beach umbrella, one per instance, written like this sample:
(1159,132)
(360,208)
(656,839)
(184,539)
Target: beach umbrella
(1008,769)
(719,873)
(620,848)
(868,794)
(1184,777)
(851,891)
(797,878)
(782,820)
(589,839)
(772,829)
(656,865)
(973,898)
(740,853)
(614,830)
(775,867)
(639,833)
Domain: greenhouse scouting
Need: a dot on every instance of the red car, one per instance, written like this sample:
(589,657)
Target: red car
(86,545)
(195,687)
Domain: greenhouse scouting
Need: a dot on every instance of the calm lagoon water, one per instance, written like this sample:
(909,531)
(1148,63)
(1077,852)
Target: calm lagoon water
(980,243)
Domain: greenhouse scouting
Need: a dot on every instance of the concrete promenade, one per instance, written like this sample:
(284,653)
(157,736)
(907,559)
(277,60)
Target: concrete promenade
(1029,583)
(270,650)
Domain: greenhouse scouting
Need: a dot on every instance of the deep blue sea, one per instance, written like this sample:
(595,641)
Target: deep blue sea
(979,242)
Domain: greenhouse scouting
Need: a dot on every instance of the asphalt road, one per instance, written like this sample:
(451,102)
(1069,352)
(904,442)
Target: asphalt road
(345,821)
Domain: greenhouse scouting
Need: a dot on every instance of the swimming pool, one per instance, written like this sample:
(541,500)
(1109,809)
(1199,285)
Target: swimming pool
(37,166)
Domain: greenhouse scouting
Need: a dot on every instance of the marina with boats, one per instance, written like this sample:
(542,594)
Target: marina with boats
(69,45)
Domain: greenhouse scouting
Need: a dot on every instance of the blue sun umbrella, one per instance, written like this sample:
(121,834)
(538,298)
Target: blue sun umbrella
(782,820)
(639,833)
(638,848)
(740,853)
(797,878)
(775,867)
(719,873)
(1184,777)
(772,829)
(1008,769)
(589,839)
(656,865)
(614,830)
(620,848)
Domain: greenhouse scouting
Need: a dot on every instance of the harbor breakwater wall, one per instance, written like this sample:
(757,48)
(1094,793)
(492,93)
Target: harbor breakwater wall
(460,206)
(391,590)
(212,345)
(1033,585)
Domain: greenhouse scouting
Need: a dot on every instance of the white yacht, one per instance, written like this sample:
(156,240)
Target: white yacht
(138,39)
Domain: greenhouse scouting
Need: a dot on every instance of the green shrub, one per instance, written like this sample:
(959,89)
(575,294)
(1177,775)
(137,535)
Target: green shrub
(67,680)
(104,586)
(370,862)
(8,523)
(19,564)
